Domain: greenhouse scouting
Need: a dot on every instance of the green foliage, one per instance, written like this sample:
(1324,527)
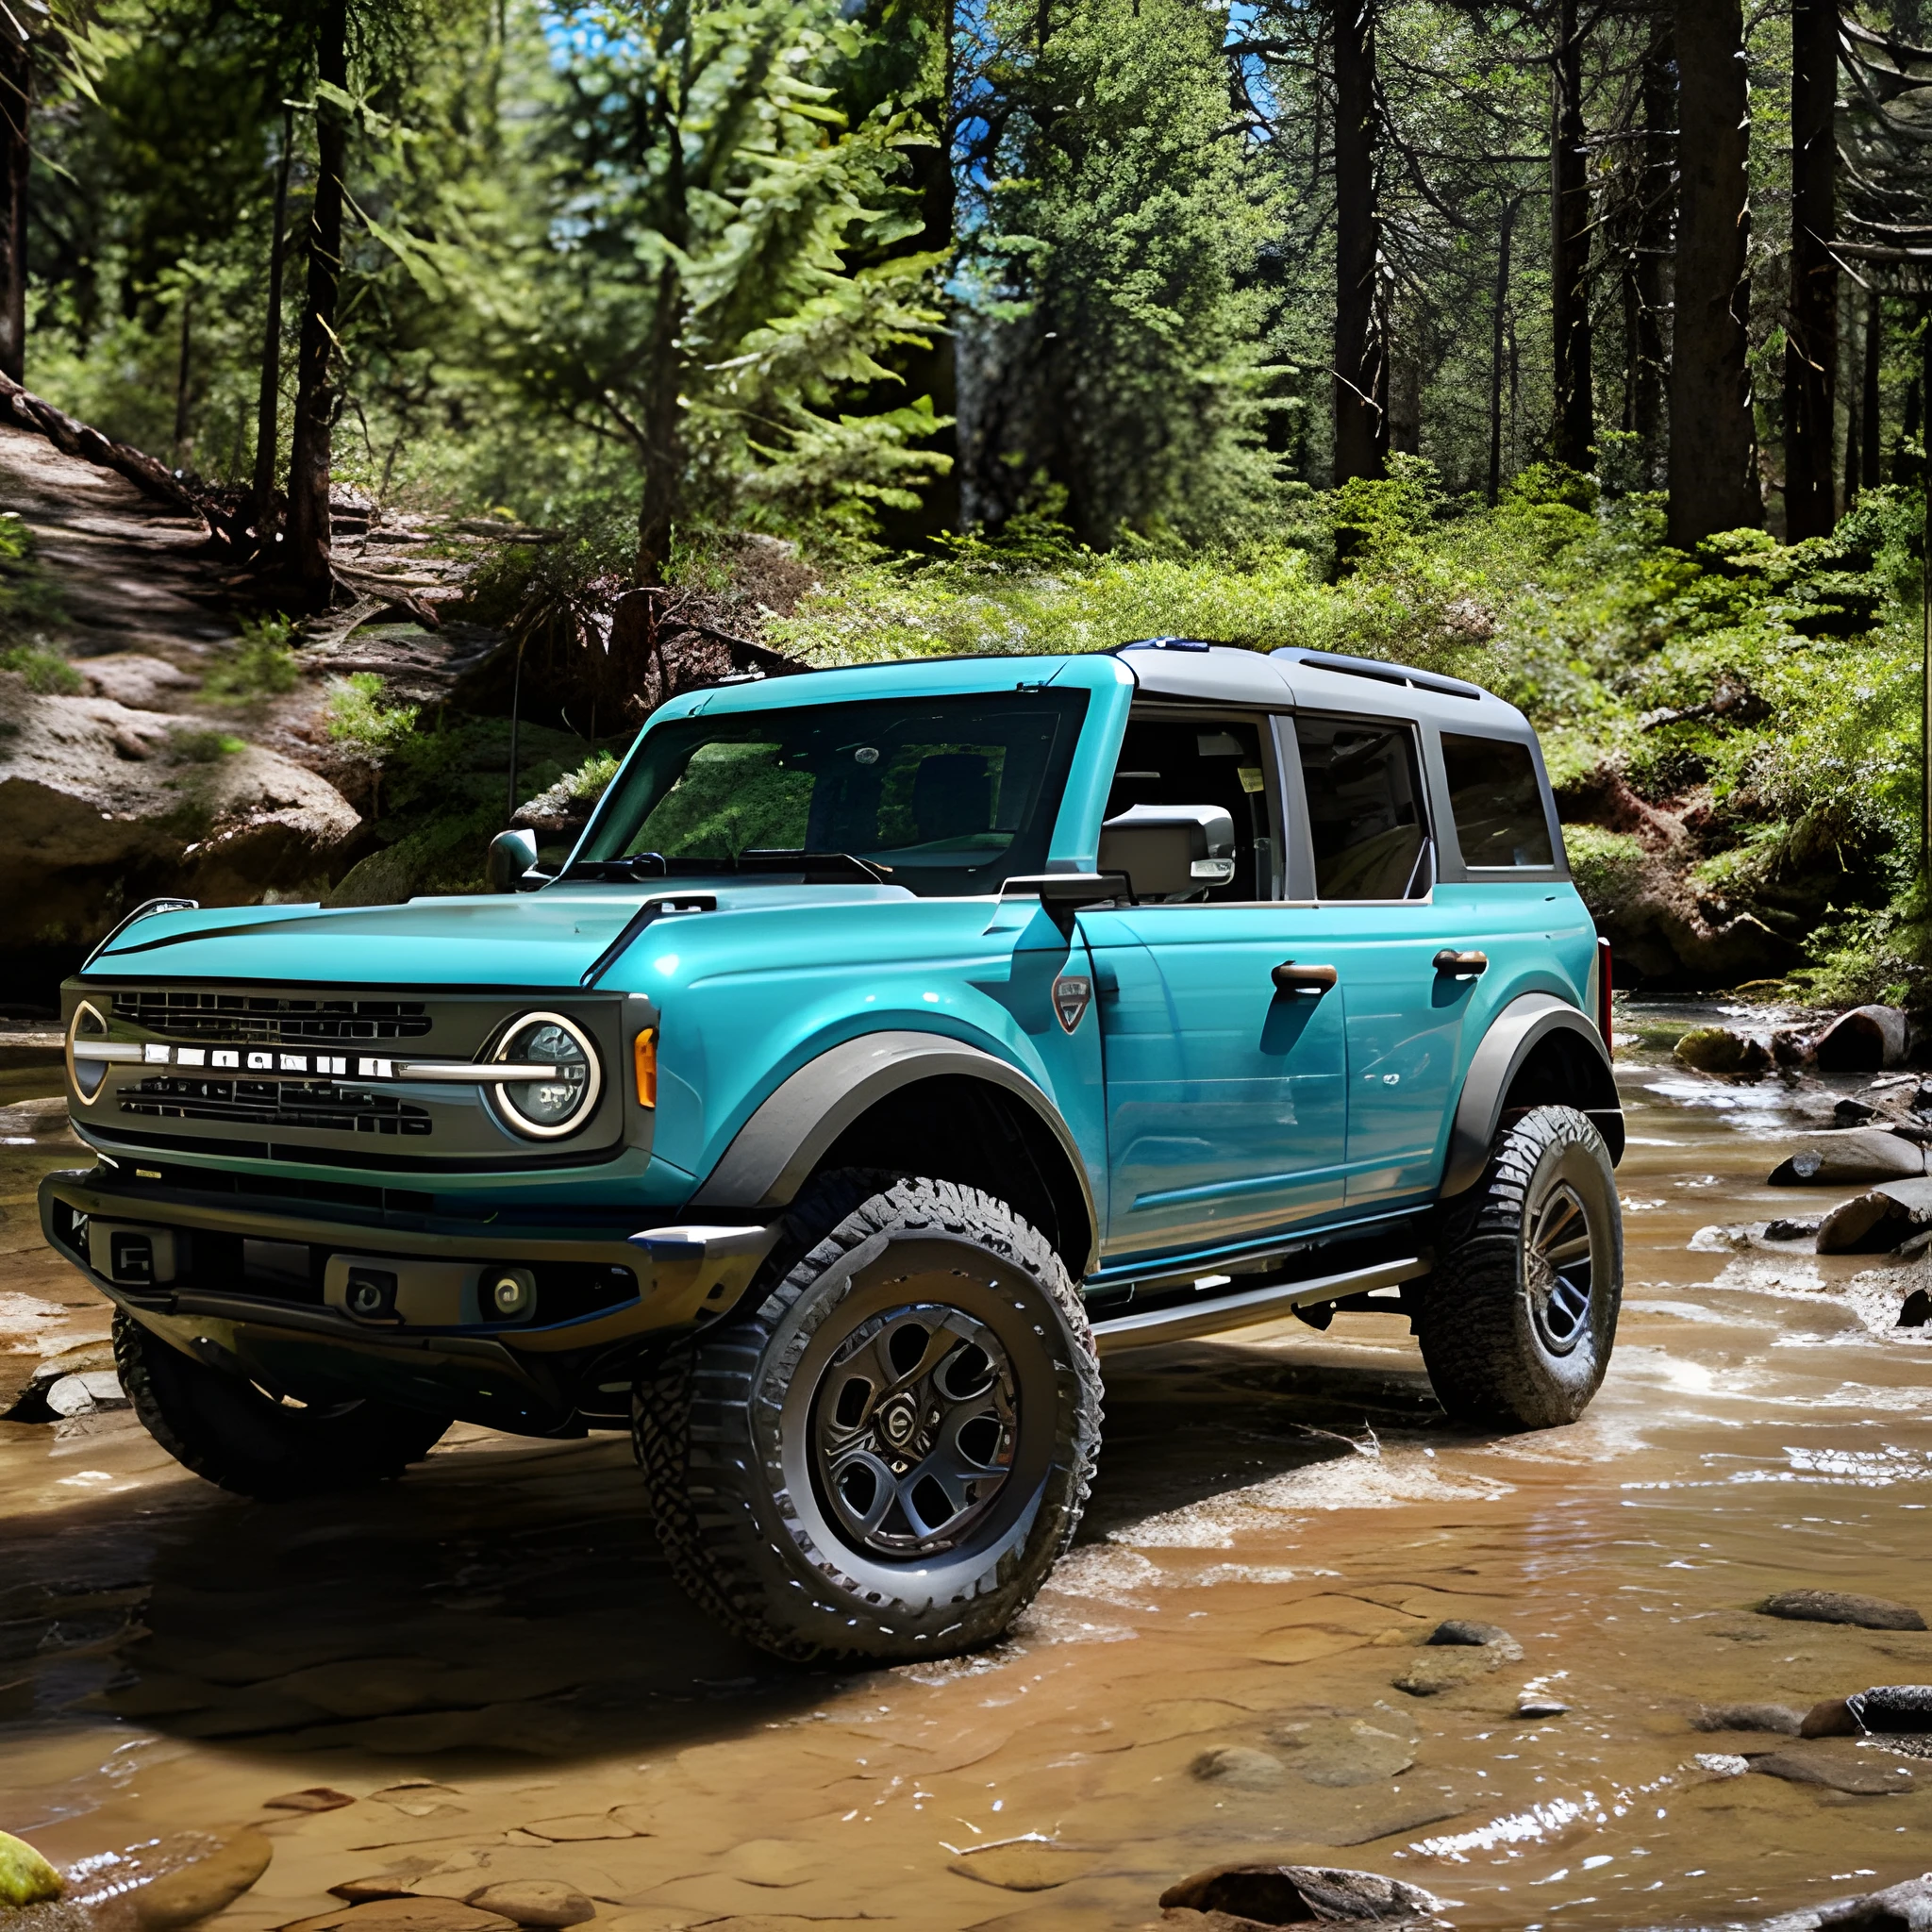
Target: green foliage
(263,665)
(47,671)
(1608,866)
(359,721)
(196,744)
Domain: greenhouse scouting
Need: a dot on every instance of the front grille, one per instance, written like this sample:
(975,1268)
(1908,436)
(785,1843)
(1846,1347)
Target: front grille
(268,1017)
(275,1103)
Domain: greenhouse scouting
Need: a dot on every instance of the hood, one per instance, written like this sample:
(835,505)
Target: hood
(547,939)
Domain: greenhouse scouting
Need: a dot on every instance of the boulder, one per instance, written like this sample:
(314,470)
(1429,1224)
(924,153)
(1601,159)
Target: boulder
(129,678)
(1863,1041)
(26,1878)
(1301,1895)
(1847,1157)
(1719,1050)
(106,806)
(173,1881)
(1876,1223)
(1842,1607)
(1461,1632)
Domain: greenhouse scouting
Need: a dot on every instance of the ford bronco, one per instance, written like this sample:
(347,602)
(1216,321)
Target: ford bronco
(893,1043)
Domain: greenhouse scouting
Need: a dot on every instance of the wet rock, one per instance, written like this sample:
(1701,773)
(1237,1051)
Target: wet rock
(581,1827)
(1917,1310)
(1460,1631)
(1904,1908)
(1240,1765)
(1719,1050)
(1875,1222)
(534,1902)
(1848,1112)
(1845,1158)
(175,1881)
(1344,1751)
(1837,1765)
(405,1915)
(1301,1895)
(363,1892)
(1436,1670)
(1863,1041)
(85,1395)
(1841,1607)
(1528,1706)
(1779,1718)
(312,1798)
(1831,1718)
(26,1878)
(1786,1229)
(1033,1864)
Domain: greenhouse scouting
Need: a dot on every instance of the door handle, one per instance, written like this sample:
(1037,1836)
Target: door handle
(1461,965)
(1291,978)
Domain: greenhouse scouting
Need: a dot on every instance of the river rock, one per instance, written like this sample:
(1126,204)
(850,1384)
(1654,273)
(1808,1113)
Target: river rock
(1026,1865)
(1838,1766)
(1846,1157)
(1877,1221)
(534,1902)
(1719,1050)
(311,1798)
(1893,1710)
(1301,1895)
(1779,1718)
(84,1394)
(1863,1041)
(1344,1751)
(1903,1907)
(1240,1765)
(1461,1633)
(1436,1670)
(1841,1607)
(26,1878)
(175,1880)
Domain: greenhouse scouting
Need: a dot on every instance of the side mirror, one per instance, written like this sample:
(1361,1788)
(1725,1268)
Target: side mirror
(1169,851)
(511,855)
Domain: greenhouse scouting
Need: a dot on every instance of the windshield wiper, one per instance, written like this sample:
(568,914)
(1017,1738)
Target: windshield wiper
(819,868)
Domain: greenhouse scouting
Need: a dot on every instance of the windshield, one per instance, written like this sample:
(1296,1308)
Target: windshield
(945,796)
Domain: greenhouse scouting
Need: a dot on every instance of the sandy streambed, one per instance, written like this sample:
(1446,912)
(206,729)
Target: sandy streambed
(490,1662)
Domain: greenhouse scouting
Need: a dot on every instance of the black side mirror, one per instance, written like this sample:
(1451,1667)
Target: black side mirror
(511,855)
(1169,851)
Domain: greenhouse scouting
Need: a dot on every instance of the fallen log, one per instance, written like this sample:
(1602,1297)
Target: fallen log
(73,438)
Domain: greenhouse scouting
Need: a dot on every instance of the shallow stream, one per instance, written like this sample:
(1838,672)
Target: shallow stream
(489,1660)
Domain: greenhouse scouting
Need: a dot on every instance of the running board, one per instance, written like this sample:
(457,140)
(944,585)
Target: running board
(1191,1319)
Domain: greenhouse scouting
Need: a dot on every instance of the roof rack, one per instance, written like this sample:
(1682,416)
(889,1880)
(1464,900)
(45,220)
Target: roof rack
(1381,673)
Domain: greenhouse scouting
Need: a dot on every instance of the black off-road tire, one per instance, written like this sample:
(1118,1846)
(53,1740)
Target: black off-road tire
(1508,1340)
(731,1426)
(230,1432)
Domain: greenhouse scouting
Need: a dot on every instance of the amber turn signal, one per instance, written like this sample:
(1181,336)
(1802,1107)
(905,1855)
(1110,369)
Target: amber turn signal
(646,1051)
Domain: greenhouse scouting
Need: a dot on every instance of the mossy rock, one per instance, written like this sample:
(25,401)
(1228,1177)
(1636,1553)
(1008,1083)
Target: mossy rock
(1718,1050)
(26,1878)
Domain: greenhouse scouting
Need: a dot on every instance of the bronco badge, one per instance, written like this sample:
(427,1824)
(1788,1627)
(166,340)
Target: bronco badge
(1071,994)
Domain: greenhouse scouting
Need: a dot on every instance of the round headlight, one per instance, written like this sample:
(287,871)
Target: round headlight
(87,1074)
(559,1101)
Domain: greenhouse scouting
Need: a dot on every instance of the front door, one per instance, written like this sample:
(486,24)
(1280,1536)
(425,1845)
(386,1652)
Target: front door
(1225,1096)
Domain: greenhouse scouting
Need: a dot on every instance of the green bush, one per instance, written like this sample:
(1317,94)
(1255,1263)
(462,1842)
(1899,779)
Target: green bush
(45,670)
(263,665)
(1608,867)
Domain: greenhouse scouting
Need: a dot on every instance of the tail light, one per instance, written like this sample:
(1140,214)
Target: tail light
(1603,991)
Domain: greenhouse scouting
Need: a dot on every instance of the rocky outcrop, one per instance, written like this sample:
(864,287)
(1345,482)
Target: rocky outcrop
(105,806)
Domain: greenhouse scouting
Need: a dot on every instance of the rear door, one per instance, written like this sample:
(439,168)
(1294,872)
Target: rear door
(1224,1097)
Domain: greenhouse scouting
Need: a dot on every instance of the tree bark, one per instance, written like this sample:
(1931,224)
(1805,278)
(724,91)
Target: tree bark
(1811,324)
(1871,450)
(1653,238)
(1498,340)
(1362,424)
(16,160)
(269,400)
(1714,477)
(315,394)
(183,370)
(1575,438)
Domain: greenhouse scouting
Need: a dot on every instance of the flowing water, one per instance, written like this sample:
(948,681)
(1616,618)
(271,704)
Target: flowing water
(489,1660)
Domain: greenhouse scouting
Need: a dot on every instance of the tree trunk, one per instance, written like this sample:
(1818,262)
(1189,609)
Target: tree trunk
(183,367)
(16,158)
(1874,411)
(1714,477)
(1811,325)
(1361,425)
(1654,246)
(663,443)
(315,396)
(269,400)
(1575,438)
(1498,340)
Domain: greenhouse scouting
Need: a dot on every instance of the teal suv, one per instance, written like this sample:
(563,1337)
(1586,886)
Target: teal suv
(894,1044)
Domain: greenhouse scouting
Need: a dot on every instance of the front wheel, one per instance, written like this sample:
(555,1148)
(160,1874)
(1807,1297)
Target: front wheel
(884,1456)
(1517,1325)
(254,1443)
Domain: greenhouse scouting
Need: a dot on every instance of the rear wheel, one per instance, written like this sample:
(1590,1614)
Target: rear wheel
(886,1454)
(257,1443)
(1517,1325)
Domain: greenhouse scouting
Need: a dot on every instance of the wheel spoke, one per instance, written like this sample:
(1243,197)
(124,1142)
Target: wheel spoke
(1566,1251)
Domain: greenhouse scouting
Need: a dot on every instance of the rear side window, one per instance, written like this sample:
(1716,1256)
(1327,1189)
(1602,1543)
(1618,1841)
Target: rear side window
(1365,818)
(1497,804)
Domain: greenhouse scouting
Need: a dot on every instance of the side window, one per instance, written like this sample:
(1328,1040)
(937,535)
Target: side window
(1497,802)
(1365,817)
(1210,762)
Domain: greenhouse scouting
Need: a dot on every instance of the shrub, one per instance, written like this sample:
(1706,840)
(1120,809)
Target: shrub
(263,665)
(1608,867)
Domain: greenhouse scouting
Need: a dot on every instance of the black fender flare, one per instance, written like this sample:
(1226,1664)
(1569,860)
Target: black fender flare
(774,1152)
(1514,1035)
